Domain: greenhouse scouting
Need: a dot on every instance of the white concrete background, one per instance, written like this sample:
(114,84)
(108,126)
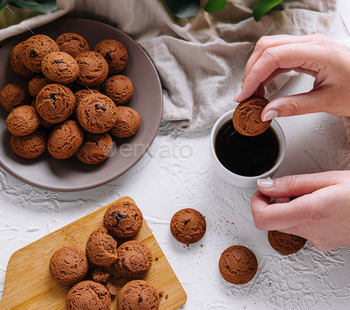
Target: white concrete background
(161,184)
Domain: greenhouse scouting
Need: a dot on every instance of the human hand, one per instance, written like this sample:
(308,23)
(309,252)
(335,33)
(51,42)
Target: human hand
(321,213)
(316,55)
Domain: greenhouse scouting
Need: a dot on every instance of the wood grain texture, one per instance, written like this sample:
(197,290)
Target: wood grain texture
(28,284)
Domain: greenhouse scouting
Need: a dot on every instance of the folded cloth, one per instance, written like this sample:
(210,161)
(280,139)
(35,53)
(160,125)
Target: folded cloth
(201,60)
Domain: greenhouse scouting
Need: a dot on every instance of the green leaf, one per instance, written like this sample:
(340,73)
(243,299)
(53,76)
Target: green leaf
(263,6)
(3,4)
(183,8)
(214,6)
(42,6)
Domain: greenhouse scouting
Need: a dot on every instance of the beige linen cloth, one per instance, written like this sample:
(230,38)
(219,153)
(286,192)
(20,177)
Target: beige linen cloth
(200,61)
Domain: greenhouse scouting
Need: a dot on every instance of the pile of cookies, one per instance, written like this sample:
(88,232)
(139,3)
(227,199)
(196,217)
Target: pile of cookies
(131,260)
(238,264)
(79,98)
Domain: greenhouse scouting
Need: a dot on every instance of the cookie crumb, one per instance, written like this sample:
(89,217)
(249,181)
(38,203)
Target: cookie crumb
(100,275)
(161,293)
(166,296)
(112,288)
(156,258)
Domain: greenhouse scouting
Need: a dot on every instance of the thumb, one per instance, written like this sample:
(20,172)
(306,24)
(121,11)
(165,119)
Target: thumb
(296,185)
(314,101)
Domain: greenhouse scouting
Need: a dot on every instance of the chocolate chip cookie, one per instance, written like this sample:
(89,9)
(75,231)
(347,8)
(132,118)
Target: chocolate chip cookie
(115,53)
(138,294)
(188,226)
(128,122)
(119,88)
(285,243)
(13,96)
(88,295)
(238,264)
(101,248)
(17,64)
(134,260)
(72,44)
(22,120)
(123,220)
(68,265)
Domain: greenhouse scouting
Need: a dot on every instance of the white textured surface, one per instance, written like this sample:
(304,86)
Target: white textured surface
(162,183)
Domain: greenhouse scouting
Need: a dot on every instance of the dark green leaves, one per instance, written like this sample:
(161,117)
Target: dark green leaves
(42,6)
(190,8)
(263,6)
(183,8)
(214,6)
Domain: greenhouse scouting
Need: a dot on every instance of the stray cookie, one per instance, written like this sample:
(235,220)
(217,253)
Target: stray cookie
(285,243)
(247,116)
(123,220)
(68,265)
(37,83)
(88,295)
(14,95)
(100,275)
(60,67)
(238,264)
(128,122)
(93,69)
(119,88)
(188,226)
(30,146)
(138,294)
(97,113)
(17,64)
(22,120)
(65,139)
(101,248)
(55,103)
(115,53)
(36,48)
(72,44)
(96,148)
(134,260)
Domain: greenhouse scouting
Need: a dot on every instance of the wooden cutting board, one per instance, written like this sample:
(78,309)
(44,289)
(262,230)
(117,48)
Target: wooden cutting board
(29,286)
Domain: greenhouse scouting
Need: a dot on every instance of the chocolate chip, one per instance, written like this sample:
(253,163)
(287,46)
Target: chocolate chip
(186,222)
(126,268)
(100,108)
(94,141)
(119,217)
(53,97)
(59,61)
(108,55)
(140,298)
(33,53)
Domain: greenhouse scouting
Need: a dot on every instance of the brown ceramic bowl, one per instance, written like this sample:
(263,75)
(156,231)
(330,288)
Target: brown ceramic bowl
(70,174)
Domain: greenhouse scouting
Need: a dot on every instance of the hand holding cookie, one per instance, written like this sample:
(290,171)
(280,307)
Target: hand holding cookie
(327,61)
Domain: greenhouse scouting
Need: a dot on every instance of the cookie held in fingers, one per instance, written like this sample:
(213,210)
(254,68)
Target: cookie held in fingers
(134,260)
(101,248)
(123,220)
(188,226)
(285,243)
(238,264)
(138,294)
(247,116)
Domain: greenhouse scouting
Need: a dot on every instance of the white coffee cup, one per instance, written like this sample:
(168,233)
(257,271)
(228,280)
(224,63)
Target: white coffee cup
(236,179)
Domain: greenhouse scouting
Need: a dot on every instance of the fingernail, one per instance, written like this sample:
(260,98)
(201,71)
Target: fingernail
(237,95)
(270,115)
(265,183)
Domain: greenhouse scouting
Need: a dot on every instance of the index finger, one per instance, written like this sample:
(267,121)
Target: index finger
(307,56)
